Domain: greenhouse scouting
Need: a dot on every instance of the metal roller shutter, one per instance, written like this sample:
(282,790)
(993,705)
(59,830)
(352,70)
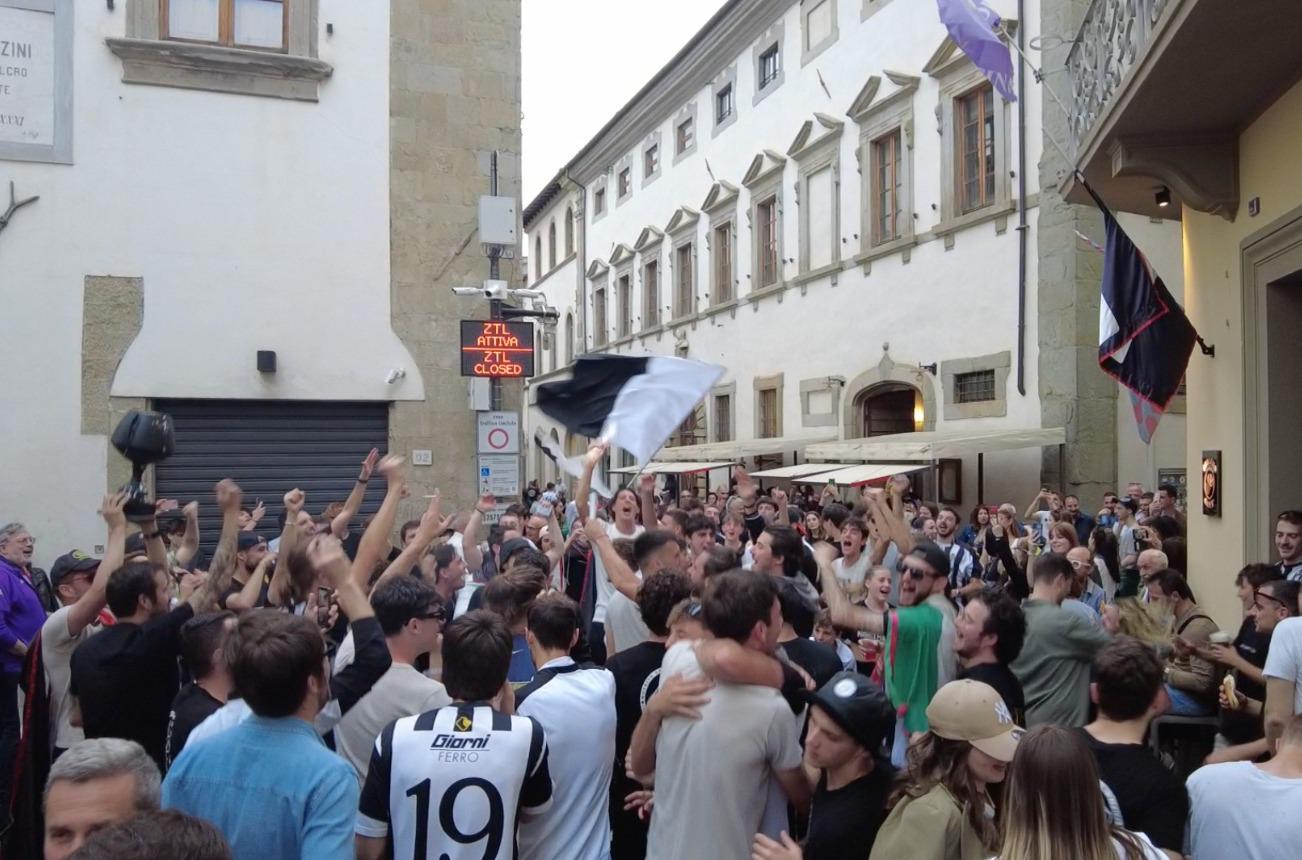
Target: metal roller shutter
(268,448)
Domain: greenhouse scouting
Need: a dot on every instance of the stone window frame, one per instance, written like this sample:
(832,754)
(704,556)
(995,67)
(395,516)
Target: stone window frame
(777,383)
(295,74)
(809,52)
(956,75)
(876,119)
(871,8)
(728,390)
(808,387)
(599,211)
(763,184)
(1000,362)
(822,153)
(773,37)
(59,149)
(684,115)
(598,277)
(625,163)
(726,78)
(622,264)
(652,141)
(647,249)
(721,207)
(682,231)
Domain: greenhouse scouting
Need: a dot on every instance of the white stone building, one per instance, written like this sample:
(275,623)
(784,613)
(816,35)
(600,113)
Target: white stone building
(220,178)
(824,197)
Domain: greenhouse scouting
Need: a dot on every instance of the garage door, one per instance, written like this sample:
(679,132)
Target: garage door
(268,448)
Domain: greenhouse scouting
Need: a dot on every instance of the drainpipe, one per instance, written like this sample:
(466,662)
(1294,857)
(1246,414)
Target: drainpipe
(1023,229)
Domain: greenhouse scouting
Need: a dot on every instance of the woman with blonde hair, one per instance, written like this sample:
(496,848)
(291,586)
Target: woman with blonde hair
(1054,805)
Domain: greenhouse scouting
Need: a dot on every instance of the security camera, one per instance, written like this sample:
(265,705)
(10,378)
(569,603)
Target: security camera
(467,291)
(394,375)
(496,290)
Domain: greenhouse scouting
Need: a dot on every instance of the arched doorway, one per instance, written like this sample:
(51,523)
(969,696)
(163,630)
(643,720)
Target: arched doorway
(891,407)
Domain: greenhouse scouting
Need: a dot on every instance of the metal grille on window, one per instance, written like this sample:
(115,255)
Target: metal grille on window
(975,387)
(768,63)
(723,104)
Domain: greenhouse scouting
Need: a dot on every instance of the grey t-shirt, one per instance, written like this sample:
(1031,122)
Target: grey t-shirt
(56,653)
(401,692)
(712,774)
(1238,810)
(1054,666)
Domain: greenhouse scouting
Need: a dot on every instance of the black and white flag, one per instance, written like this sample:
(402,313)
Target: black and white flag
(572,466)
(634,402)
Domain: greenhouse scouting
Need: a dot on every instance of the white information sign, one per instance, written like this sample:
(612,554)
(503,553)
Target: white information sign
(499,474)
(499,432)
(26,76)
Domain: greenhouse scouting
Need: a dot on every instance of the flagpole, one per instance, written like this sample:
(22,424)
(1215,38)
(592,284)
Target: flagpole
(1039,79)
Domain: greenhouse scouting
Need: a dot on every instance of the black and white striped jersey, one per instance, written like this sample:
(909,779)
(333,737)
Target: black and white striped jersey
(450,784)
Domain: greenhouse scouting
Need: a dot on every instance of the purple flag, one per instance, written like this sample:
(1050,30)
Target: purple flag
(973,25)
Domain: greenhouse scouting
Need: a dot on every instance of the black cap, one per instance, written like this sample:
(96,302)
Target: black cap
(859,706)
(71,562)
(933,555)
(135,543)
(510,548)
(247,541)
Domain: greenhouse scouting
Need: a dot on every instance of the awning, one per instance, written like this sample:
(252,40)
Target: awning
(655,468)
(936,444)
(854,476)
(798,471)
(738,450)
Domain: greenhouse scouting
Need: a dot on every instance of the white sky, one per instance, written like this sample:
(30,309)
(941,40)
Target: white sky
(583,60)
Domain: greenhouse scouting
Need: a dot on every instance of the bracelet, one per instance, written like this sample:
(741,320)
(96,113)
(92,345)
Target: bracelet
(363,480)
(479,510)
(153,535)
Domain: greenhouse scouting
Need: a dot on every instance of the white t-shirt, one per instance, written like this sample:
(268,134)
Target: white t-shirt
(1284,659)
(402,691)
(56,653)
(624,621)
(852,576)
(1238,810)
(581,759)
(604,588)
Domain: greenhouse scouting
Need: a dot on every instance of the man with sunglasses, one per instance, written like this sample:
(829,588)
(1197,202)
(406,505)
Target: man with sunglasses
(920,655)
(411,616)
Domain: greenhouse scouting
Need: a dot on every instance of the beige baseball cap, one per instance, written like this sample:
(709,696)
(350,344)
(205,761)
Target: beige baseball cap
(972,711)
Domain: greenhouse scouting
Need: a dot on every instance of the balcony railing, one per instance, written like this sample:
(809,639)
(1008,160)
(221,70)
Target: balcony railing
(1112,39)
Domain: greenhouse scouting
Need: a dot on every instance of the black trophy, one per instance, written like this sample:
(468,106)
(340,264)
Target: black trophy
(143,438)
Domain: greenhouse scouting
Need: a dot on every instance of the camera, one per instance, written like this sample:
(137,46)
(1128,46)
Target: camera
(143,438)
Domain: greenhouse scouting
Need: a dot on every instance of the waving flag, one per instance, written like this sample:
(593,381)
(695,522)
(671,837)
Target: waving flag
(1145,339)
(572,466)
(635,402)
(974,28)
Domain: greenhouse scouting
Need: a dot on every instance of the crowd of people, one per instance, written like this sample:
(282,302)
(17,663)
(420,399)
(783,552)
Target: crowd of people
(739,673)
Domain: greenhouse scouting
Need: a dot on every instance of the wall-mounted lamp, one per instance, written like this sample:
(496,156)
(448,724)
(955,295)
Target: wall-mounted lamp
(266,361)
(1163,197)
(930,368)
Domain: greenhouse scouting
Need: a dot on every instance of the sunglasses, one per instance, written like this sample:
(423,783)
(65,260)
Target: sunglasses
(1259,593)
(694,609)
(915,572)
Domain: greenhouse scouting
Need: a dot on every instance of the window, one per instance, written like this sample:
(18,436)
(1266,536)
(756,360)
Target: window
(685,282)
(724,103)
(766,217)
(551,246)
(886,185)
(692,430)
(569,338)
(625,183)
(537,258)
(651,294)
(721,255)
(599,202)
(684,136)
(974,120)
(599,330)
(569,232)
(257,24)
(975,387)
(624,307)
(768,409)
(650,161)
(723,417)
(819,24)
(768,67)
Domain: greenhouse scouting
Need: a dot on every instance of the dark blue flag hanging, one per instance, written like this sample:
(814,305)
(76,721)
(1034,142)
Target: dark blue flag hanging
(1145,339)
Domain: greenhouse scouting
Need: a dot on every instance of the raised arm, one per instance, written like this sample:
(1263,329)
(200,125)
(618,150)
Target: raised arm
(891,517)
(331,564)
(780,499)
(376,537)
(646,496)
(584,489)
(189,547)
(432,524)
(617,570)
(474,533)
(247,598)
(155,548)
(843,612)
(1034,506)
(353,504)
(83,612)
(228,501)
(559,544)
